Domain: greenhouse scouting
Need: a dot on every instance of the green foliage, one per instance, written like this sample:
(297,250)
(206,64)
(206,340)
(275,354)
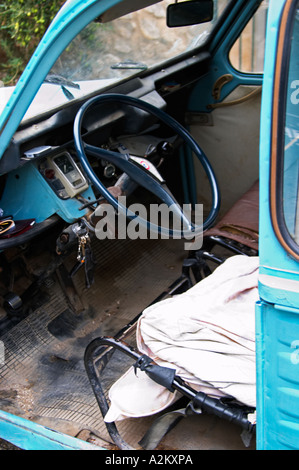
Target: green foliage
(22,25)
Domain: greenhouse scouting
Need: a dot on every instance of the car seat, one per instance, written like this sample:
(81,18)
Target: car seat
(238,232)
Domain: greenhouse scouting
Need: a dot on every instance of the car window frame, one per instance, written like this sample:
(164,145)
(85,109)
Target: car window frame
(278,129)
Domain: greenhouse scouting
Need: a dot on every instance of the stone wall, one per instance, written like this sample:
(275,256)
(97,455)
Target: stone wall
(144,37)
(141,37)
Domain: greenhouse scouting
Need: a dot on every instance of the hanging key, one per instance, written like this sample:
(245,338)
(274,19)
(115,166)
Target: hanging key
(84,254)
(83,240)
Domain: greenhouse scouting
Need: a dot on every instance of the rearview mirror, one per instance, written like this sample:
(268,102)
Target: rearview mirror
(189,12)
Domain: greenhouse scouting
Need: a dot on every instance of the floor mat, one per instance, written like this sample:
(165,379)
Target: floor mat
(43,377)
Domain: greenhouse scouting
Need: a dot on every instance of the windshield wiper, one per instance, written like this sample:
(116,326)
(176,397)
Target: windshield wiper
(60,80)
(129,64)
(63,82)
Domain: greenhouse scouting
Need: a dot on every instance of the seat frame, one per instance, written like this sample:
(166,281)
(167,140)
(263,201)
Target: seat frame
(100,351)
(194,269)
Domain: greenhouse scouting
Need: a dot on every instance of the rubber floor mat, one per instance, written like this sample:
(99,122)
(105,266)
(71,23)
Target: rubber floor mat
(43,376)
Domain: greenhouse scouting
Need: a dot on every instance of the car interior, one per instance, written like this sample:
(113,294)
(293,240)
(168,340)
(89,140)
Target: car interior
(73,300)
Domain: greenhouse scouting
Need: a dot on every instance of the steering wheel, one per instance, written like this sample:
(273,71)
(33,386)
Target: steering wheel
(147,177)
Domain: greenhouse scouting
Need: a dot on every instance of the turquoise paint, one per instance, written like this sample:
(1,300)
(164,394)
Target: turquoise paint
(38,200)
(278,377)
(277,315)
(28,435)
(272,255)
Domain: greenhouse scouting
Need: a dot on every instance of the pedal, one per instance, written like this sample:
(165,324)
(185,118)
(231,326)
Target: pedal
(13,305)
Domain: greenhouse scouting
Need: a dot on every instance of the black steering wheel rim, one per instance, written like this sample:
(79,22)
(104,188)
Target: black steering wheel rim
(82,148)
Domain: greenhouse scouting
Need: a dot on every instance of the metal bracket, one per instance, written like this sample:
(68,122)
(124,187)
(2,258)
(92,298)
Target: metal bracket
(219,84)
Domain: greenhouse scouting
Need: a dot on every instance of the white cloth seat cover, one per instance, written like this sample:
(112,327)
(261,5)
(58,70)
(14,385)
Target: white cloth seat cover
(206,334)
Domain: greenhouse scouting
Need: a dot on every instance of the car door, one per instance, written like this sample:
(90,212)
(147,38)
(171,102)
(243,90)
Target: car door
(277,313)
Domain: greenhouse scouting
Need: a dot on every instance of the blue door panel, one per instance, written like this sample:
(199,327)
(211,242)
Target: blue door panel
(278,372)
(28,435)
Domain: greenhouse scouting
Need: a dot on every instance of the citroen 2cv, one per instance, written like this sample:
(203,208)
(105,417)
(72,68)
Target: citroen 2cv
(149,229)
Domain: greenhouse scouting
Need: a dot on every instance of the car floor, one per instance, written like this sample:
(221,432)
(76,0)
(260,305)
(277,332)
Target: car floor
(43,378)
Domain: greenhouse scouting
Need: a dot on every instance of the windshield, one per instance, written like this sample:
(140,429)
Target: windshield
(105,53)
(132,43)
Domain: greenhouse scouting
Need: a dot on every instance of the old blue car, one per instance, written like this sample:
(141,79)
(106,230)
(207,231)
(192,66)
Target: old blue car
(149,230)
